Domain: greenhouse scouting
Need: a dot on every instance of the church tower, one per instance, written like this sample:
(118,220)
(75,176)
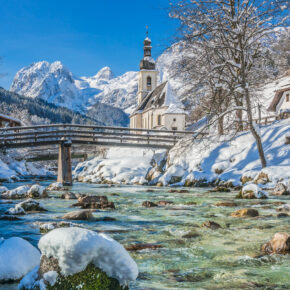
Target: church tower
(148,73)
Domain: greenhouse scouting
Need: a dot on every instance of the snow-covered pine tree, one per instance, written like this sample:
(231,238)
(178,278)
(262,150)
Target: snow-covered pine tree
(236,34)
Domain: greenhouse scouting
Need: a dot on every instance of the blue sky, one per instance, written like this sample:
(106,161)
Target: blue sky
(85,35)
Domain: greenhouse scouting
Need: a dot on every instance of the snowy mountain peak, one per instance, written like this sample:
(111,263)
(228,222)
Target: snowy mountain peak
(104,74)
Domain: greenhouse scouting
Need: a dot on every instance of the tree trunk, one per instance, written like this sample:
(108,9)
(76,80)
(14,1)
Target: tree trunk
(221,125)
(253,131)
(239,114)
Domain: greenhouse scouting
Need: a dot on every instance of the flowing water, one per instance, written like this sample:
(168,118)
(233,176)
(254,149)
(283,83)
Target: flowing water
(226,258)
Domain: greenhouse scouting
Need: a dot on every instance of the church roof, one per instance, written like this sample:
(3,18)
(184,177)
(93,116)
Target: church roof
(162,96)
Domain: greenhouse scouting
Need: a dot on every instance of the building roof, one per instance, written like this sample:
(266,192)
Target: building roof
(161,96)
(9,118)
(277,98)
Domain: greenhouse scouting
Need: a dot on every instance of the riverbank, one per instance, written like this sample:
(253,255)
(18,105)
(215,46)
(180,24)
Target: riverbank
(210,161)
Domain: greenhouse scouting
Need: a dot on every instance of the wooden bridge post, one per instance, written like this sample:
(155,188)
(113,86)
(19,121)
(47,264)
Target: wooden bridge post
(64,174)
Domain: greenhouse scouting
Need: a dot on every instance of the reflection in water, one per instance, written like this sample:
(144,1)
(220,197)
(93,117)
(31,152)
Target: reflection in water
(191,257)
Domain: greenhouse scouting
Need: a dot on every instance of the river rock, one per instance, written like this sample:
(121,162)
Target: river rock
(3,189)
(50,273)
(68,195)
(18,257)
(37,191)
(5,217)
(94,202)
(211,225)
(280,244)
(149,204)
(226,203)
(78,215)
(262,178)
(45,227)
(76,256)
(190,235)
(252,191)
(220,189)
(164,202)
(56,186)
(282,215)
(142,246)
(284,208)
(16,193)
(246,212)
(281,189)
(26,206)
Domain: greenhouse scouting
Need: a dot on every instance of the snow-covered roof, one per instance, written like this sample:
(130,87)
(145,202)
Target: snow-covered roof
(148,39)
(277,98)
(2,116)
(162,96)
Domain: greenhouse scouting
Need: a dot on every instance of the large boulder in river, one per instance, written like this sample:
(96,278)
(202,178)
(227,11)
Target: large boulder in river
(252,191)
(37,191)
(281,189)
(246,212)
(280,244)
(56,186)
(78,215)
(74,256)
(284,208)
(17,258)
(26,206)
(16,193)
(94,202)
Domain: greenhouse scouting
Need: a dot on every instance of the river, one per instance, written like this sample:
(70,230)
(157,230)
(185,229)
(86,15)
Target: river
(225,258)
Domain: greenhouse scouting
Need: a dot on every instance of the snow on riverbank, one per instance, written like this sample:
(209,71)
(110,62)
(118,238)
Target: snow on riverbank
(190,161)
(120,165)
(11,167)
(230,160)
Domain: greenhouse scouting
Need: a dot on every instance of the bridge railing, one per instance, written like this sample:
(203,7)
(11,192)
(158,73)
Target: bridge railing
(86,134)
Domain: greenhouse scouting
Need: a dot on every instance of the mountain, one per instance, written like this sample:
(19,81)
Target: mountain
(37,111)
(54,83)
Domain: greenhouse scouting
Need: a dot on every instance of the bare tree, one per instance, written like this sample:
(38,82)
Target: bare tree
(235,35)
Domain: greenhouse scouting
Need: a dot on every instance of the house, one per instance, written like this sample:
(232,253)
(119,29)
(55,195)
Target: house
(8,121)
(281,102)
(157,105)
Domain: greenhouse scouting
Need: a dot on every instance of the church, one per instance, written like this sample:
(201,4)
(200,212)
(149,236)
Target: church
(157,105)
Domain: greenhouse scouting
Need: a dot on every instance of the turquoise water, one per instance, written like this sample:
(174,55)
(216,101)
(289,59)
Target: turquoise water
(211,259)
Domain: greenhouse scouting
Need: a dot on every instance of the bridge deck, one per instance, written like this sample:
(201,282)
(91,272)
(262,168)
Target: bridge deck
(33,136)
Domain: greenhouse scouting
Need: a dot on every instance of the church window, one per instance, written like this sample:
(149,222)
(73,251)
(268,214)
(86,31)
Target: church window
(174,119)
(174,128)
(159,119)
(149,84)
(287,98)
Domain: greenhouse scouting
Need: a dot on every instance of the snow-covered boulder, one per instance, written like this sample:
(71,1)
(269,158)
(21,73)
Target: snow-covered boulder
(37,191)
(281,189)
(3,189)
(74,254)
(17,193)
(26,206)
(250,191)
(55,186)
(17,258)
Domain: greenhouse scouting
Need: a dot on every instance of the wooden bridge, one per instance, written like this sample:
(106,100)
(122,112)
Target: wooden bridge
(65,135)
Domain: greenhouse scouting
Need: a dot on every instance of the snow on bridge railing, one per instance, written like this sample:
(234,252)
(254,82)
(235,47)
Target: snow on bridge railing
(36,127)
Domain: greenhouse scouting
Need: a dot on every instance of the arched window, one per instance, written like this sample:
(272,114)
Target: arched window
(149,84)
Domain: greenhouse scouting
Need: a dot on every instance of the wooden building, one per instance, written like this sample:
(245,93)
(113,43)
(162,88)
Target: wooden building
(8,121)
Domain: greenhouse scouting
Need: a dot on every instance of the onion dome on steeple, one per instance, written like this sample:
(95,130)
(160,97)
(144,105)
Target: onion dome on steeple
(147,62)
